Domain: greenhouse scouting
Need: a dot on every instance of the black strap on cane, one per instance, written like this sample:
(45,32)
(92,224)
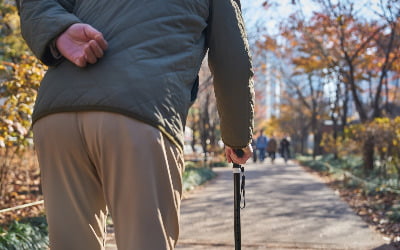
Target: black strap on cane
(240,153)
(242,191)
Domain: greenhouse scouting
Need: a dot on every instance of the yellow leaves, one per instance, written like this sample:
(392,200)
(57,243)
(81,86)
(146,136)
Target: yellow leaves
(12,20)
(19,93)
(384,132)
(397,120)
(25,108)
(339,19)
(383,120)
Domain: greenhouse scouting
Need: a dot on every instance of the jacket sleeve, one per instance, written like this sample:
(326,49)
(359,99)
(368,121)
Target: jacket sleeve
(230,63)
(42,21)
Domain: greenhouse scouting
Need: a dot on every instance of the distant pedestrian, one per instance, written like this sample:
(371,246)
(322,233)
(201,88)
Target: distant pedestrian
(285,148)
(261,145)
(253,145)
(272,148)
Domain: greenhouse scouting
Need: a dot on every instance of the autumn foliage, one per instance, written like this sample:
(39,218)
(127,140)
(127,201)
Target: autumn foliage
(340,65)
(20,75)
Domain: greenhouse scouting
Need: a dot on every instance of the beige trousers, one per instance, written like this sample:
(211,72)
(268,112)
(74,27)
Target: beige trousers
(93,160)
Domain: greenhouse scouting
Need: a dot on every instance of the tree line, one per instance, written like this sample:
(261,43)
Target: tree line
(339,66)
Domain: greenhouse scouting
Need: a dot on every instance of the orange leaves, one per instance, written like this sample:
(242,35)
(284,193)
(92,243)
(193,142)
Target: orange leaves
(310,64)
(269,44)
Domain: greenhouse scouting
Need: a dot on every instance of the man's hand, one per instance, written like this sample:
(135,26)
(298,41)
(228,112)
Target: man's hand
(232,157)
(81,44)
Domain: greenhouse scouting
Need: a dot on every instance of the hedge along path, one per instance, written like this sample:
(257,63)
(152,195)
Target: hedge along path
(358,179)
(22,206)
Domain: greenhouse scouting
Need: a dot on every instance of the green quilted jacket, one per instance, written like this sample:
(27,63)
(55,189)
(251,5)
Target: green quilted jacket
(150,68)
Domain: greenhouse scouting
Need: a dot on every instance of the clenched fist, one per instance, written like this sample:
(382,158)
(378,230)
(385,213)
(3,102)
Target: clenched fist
(81,44)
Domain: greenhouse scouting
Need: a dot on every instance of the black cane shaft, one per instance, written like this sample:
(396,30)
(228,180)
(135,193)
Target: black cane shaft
(237,195)
(236,188)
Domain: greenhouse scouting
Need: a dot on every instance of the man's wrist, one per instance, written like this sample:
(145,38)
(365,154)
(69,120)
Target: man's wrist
(54,50)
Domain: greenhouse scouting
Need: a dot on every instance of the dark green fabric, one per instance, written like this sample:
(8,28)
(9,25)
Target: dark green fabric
(41,22)
(232,70)
(155,51)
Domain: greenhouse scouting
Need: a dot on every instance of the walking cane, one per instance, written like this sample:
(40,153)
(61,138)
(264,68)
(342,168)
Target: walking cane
(238,187)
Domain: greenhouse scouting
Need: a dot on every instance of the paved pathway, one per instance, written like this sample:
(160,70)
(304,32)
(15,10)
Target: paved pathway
(286,208)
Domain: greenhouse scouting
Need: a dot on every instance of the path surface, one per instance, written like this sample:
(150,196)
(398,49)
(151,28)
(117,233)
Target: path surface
(286,208)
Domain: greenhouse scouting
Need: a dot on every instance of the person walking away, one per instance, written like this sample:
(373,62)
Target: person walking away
(285,149)
(253,146)
(261,145)
(111,109)
(272,148)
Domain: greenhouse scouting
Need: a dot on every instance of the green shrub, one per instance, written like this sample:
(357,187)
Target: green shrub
(316,164)
(194,176)
(394,213)
(191,164)
(219,164)
(28,234)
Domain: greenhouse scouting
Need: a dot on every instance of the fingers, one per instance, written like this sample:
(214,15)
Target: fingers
(101,41)
(80,61)
(228,152)
(237,160)
(94,35)
(82,44)
(232,157)
(92,51)
(96,49)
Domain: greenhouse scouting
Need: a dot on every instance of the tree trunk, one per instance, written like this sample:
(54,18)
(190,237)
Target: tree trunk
(335,136)
(368,155)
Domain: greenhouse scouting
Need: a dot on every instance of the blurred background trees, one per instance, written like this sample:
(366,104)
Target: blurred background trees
(323,69)
(338,65)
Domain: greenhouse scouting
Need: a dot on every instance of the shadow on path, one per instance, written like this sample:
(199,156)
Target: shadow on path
(286,208)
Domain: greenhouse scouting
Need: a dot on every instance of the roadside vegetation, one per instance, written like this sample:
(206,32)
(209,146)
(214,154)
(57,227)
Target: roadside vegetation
(374,193)
(376,203)
(27,234)
(196,175)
